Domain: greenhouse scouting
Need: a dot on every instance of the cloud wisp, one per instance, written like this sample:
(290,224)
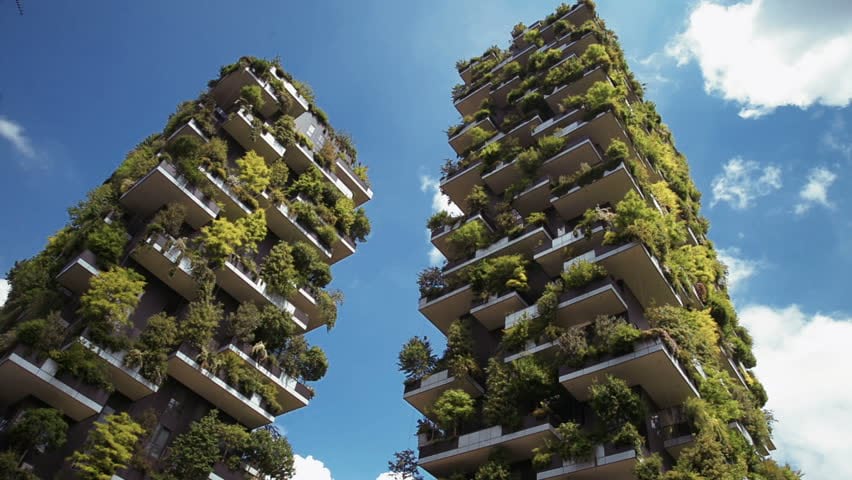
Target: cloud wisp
(5,287)
(14,133)
(742,182)
(766,54)
(815,190)
(440,203)
(740,268)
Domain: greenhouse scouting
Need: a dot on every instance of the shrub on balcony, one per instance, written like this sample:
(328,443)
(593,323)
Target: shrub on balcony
(533,36)
(615,404)
(440,219)
(572,347)
(458,355)
(499,407)
(107,242)
(193,453)
(168,220)
(478,136)
(112,296)
(566,72)
(613,335)
(532,102)
(431,282)
(41,334)
(617,151)
(201,321)
(496,275)
(541,60)
(581,273)
(596,55)
(108,448)
(83,364)
(468,238)
(247,379)
(311,270)
(137,163)
(562,27)
(452,409)
(41,428)
(572,444)
(529,161)
(635,220)
(515,337)
(477,199)
(538,219)
(254,173)
(518,29)
(269,453)
(496,468)
(649,468)
(278,269)
(253,96)
(300,361)
(151,352)
(416,359)
(691,264)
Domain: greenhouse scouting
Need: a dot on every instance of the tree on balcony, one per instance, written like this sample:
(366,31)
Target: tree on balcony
(581,273)
(150,353)
(108,448)
(83,364)
(416,359)
(458,355)
(112,296)
(452,409)
(254,173)
(497,275)
(469,237)
(42,428)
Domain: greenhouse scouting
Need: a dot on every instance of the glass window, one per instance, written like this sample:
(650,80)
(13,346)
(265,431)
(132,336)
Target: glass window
(158,441)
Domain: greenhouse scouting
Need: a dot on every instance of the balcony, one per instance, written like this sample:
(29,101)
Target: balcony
(469,451)
(441,234)
(126,380)
(300,158)
(536,197)
(241,125)
(162,256)
(674,429)
(361,192)
(575,47)
(500,93)
(298,103)
(552,257)
(164,185)
(250,412)
(422,394)
(491,312)
(578,15)
(601,130)
(568,161)
(23,375)
(462,140)
(458,185)
(285,224)
(75,276)
(246,286)
(609,462)
(505,174)
(446,308)
(610,188)
(470,103)
(291,394)
(650,365)
(189,129)
(580,306)
(532,237)
(577,87)
(227,90)
(639,269)
(222,193)
(305,302)
(557,123)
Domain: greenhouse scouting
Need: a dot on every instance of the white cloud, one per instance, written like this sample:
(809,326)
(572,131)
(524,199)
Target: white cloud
(815,191)
(802,361)
(390,476)
(4,290)
(739,269)
(837,138)
(14,133)
(310,469)
(743,181)
(765,54)
(440,203)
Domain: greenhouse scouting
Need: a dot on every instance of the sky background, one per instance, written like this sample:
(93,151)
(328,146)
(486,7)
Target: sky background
(755,92)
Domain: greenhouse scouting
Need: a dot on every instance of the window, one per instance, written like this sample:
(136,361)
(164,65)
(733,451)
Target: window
(158,441)
(311,130)
(173,406)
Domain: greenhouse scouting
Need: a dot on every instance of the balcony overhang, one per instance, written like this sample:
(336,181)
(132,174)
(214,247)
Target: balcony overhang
(458,186)
(422,395)
(501,93)
(579,307)
(569,160)
(610,188)
(159,255)
(576,47)
(492,313)
(297,104)
(291,395)
(444,310)
(553,258)
(126,380)
(649,365)
(284,224)
(473,449)
(522,244)
(21,378)
(242,288)
(601,130)
(234,208)
(240,126)
(441,235)
(536,198)
(471,102)
(247,411)
(305,302)
(343,247)
(361,193)
(78,273)
(300,158)
(506,174)
(633,263)
(463,141)
(163,185)
(227,90)
(577,87)
(615,466)
(557,123)
(189,129)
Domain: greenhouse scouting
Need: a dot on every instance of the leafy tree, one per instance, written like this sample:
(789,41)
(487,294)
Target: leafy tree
(84,364)
(312,270)
(279,270)
(42,334)
(477,199)
(112,296)
(469,237)
(107,242)
(168,219)
(405,466)
(649,468)
(459,353)
(615,404)
(275,326)
(453,408)
(252,95)
(151,352)
(108,447)
(254,229)
(243,323)
(221,238)
(314,364)
(582,273)
(499,274)
(270,453)
(254,173)
(9,470)
(202,319)
(416,359)
(194,452)
(39,427)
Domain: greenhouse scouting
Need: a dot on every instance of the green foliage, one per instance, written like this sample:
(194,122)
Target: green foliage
(468,238)
(596,55)
(202,319)
(193,453)
(107,242)
(41,334)
(151,352)
(328,303)
(477,199)
(533,36)
(518,29)
(254,173)
(617,151)
(431,282)
(536,218)
(252,95)
(453,408)
(635,220)
(478,136)
(440,219)
(541,60)
(529,161)
(581,273)
(694,331)
(615,404)
(613,335)
(691,264)
(168,219)
(9,470)
(360,229)
(496,275)
(223,238)
(314,364)
(243,322)
(499,407)
(274,329)
(416,359)
(112,296)
(496,468)
(568,71)
(137,163)
(270,454)
(278,270)
(551,145)
(649,468)
(83,364)
(573,443)
(459,353)
(310,268)
(39,427)
(108,447)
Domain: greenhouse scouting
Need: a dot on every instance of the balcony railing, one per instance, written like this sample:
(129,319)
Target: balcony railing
(235,208)
(361,191)
(127,380)
(75,276)
(291,394)
(423,393)
(462,140)
(285,224)
(442,309)
(250,133)
(530,237)
(607,461)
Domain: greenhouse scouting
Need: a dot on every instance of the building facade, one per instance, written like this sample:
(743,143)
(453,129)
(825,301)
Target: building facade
(589,330)
(184,285)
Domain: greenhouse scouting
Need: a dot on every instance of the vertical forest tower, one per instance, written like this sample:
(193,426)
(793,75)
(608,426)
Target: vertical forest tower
(164,325)
(589,331)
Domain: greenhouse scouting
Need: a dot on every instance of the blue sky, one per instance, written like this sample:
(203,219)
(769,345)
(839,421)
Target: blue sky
(83,82)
